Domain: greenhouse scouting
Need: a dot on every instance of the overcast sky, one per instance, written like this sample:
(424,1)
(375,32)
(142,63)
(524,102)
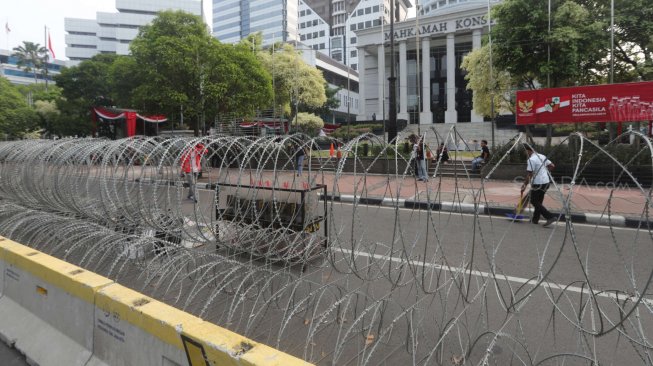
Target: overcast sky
(27,18)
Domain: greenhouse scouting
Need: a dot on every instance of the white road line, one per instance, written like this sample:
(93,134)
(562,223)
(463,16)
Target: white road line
(548,285)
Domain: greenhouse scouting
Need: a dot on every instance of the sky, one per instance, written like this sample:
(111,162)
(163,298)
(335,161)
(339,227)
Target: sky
(27,19)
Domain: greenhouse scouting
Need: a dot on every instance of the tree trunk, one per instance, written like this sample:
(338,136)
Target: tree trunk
(549,135)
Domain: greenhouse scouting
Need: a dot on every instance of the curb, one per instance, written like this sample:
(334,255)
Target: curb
(468,208)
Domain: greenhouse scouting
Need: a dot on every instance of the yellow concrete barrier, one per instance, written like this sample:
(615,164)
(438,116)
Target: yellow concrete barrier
(60,314)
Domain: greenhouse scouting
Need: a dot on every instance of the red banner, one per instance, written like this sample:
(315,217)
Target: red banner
(626,102)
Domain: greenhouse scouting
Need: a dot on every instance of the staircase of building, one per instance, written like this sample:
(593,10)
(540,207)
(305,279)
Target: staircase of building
(454,168)
(465,134)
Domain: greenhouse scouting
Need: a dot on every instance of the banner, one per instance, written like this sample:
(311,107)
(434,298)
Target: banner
(628,102)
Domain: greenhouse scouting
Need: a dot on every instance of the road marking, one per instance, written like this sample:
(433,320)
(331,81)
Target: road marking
(488,275)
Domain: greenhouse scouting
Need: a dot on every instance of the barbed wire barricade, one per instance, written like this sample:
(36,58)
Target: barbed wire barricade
(333,252)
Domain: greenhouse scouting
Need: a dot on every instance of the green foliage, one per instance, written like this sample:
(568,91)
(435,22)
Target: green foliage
(307,122)
(332,102)
(89,81)
(521,41)
(16,116)
(293,80)
(40,92)
(180,65)
(488,86)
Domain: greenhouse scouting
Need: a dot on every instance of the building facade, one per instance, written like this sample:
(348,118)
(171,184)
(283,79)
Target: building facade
(17,75)
(113,32)
(431,87)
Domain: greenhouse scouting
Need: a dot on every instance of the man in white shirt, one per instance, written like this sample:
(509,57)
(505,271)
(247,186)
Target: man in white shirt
(538,167)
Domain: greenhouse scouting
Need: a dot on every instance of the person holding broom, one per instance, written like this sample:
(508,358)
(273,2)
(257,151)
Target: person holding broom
(537,175)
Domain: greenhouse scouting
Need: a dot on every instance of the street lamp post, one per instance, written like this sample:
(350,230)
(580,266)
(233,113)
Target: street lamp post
(392,80)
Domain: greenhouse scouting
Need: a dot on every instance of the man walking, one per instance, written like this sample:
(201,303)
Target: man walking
(538,167)
(191,166)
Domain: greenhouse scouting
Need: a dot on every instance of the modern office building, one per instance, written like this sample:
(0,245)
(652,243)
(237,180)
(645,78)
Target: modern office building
(327,26)
(234,20)
(431,87)
(112,32)
(17,75)
(338,76)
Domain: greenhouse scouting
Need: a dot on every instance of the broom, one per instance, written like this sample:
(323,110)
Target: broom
(520,207)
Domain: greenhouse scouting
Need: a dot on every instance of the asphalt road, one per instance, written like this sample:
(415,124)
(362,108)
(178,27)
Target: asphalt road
(10,356)
(489,267)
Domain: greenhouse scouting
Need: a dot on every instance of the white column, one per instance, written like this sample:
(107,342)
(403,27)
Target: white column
(451,116)
(381,81)
(361,86)
(403,82)
(476,44)
(426,117)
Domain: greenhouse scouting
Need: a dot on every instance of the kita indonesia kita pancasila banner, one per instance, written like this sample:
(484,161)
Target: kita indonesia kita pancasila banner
(628,102)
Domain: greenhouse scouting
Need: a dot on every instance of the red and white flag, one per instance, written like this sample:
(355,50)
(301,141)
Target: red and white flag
(50,46)
(7,29)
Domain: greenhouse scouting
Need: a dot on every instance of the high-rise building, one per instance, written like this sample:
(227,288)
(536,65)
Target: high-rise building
(113,32)
(327,26)
(234,20)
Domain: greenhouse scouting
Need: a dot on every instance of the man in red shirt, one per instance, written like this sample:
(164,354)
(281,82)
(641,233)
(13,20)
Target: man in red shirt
(191,165)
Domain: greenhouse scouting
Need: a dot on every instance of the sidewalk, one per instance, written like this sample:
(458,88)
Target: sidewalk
(587,204)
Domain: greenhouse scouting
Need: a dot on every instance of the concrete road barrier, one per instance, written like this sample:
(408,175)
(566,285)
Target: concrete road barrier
(60,314)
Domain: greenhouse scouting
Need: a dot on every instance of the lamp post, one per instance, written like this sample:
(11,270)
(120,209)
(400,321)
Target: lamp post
(392,80)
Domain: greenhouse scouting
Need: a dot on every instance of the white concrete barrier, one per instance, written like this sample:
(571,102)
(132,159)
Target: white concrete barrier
(47,306)
(59,314)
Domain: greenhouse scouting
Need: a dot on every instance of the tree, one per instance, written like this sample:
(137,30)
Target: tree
(308,122)
(89,81)
(31,57)
(181,65)
(565,55)
(83,86)
(497,85)
(295,82)
(47,112)
(332,102)
(16,116)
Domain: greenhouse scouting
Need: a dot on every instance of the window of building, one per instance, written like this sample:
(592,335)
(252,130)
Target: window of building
(360,11)
(314,34)
(352,40)
(314,22)
(377,22)
(302,25)
(361,25)
(375,9)
(315,47)
(302,37)
(308,12)
(354,66)
(322,33)
(368,24)
(353,53)
(353,14)
(309,36)
(322,46)
(352,27)
(368,10)
(302,13)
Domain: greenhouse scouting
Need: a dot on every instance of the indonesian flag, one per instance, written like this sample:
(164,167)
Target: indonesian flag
(50,46)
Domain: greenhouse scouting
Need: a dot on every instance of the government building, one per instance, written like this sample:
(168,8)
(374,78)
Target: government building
(431,87)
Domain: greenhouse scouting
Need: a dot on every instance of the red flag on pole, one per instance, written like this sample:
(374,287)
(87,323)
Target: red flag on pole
(50,46)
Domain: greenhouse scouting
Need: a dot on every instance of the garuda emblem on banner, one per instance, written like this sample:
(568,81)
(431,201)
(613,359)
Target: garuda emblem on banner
(525,106)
